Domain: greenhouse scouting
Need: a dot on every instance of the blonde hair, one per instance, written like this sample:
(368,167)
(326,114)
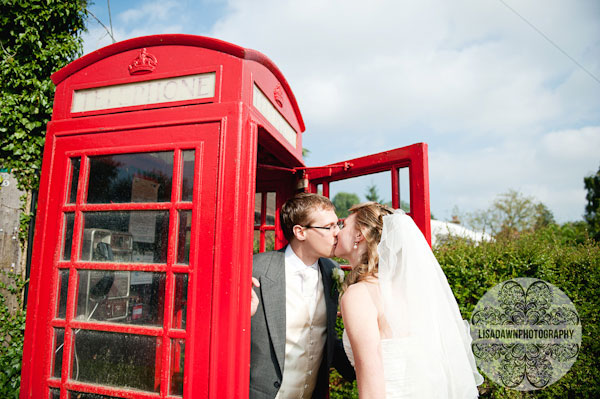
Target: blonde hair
(369,221)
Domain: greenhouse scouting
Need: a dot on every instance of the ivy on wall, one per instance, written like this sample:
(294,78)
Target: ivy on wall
(37,38)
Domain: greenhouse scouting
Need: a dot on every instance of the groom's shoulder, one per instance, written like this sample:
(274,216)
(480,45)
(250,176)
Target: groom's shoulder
(328,263)
(265,258)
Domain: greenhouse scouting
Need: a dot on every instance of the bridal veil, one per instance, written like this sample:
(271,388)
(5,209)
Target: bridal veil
(423,314)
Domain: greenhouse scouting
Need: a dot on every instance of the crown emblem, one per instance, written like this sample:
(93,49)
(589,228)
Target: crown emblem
(143,63)
(278,94)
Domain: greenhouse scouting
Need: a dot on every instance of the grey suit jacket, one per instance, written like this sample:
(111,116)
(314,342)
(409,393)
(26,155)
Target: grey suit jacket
(267,351)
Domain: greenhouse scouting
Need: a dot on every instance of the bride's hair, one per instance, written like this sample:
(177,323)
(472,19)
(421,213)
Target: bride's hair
(369,221)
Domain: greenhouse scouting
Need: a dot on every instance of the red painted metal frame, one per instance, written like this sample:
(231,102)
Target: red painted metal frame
(94,147)
(182,40)
(280,197)
(228,130)
(263,227)
(218,325)
(413,157)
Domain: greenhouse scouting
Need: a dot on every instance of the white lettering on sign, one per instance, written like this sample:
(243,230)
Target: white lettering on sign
(266,108)
(181,88)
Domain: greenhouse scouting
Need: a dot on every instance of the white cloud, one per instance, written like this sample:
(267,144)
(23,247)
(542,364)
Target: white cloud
(551,170)
(480,85)
(573,144)
(478,66)
(498,104)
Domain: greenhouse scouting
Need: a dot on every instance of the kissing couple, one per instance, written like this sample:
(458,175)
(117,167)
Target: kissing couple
(404,336)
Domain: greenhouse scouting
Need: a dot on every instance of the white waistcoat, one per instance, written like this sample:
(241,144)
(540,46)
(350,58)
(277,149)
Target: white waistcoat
(304,343)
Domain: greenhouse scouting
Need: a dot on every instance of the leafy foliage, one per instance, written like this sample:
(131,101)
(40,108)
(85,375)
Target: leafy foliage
(372,194)
(339,388)
(12,330)
(37,38)
(592,208)
(344,201)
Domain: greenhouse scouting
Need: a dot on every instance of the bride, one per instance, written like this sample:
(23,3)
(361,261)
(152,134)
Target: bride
(403,330)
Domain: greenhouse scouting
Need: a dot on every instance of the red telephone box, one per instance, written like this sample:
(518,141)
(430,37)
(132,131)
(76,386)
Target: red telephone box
(157,151)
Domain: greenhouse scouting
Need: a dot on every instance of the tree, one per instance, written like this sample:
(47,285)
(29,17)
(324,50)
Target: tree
(37,38)
(543,216)
(344,201)
(511,213)
(372,194)
(592,208)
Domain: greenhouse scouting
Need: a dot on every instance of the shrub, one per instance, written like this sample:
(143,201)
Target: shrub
(12,329)
(561,256)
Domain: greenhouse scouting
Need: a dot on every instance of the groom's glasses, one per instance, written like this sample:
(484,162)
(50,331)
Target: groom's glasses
(339,225)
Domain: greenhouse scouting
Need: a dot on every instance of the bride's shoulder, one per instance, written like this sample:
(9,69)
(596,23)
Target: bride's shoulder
(360,292)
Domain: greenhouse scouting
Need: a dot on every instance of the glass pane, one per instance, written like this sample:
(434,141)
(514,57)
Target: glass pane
(404,184)
(187,184)
(257,205)
(120,360)
(178,357)
(180,304)
(256,248)
(54,393)
(320,189)
(75,162)
(59,340)
(269,240)
(84,395)
(68,236)
(185,232)
(121,297)
(143,177)
(373,187)
(63,284)
(125,236)
(270,218)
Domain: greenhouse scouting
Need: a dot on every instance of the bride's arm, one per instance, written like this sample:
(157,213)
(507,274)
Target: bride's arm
(360,321)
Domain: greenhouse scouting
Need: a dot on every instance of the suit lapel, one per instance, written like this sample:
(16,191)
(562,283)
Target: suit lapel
(272,286)
(330,306)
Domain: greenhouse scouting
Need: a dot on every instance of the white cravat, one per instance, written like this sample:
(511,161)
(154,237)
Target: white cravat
(303,276)
(310,278)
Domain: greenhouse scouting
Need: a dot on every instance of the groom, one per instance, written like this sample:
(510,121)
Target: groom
(293,337)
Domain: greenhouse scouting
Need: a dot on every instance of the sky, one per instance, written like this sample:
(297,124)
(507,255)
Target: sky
(506,93)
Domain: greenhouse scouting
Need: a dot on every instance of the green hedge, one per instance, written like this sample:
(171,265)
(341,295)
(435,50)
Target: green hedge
(562,256)
(558,255)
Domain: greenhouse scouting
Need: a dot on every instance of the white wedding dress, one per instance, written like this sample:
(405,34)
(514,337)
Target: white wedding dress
(395,354)
(429,356)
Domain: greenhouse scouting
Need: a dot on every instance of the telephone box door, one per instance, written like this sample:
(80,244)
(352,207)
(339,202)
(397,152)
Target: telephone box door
(127,264)
(407,168)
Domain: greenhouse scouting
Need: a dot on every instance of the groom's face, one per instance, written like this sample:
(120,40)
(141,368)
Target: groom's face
(321,242)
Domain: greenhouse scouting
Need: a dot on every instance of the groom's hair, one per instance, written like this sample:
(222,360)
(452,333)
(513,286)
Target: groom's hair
(297,211)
